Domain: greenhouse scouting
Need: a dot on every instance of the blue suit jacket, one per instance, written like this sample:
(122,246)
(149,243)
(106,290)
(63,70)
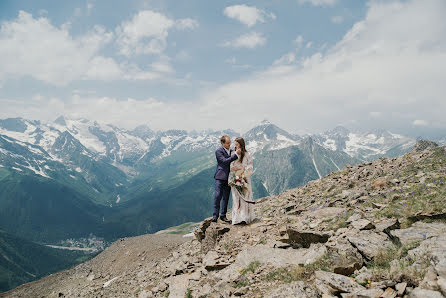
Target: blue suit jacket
(223,163)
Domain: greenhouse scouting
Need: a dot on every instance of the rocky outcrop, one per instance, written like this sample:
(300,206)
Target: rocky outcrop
(371,230)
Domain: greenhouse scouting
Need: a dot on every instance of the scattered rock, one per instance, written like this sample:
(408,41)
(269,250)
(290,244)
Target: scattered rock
(363,224)
(200,232)
(441,281)
(379,183)
(401,288)
(211,261)
(369,293)
(389,293)
(305,238)
(419,231)
(427,215)
(387,225)
(370,243)
(423,145)
(340,283)
(296,289)
(423,293)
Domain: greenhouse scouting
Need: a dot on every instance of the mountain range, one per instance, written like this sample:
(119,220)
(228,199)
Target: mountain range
(74,177)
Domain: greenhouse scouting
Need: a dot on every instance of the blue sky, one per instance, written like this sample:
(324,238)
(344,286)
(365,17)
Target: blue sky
(306,65)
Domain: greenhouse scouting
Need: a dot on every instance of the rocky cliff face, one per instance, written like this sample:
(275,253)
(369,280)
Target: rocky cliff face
(372,230)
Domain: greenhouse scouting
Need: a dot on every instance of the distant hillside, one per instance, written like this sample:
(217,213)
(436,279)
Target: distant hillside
(23,261)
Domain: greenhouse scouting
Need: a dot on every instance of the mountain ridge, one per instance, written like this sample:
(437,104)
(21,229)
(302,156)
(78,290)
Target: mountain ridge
(368,230)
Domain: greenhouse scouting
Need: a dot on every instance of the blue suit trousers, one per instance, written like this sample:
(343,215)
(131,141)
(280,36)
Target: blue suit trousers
(222,192)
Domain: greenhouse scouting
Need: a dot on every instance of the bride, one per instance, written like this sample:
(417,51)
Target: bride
(240,173)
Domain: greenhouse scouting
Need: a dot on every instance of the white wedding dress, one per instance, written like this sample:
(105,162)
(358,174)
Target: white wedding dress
(243,203)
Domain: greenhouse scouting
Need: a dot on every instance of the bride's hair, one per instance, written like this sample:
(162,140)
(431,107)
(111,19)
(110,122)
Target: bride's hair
(241,142)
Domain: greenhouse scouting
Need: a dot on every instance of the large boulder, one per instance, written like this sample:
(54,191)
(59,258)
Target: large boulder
(419,231)
(304,238)
(370,243)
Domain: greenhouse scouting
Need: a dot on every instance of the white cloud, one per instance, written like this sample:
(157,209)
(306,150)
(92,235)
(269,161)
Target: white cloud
(34,47)
(337,19)
(162,65)
(387,70)
(309,44)
(419,122)
(61,58)
(147,31)
(392,63)
(184,24)
(249,40)
(319,2)
(248,15)
(285,59)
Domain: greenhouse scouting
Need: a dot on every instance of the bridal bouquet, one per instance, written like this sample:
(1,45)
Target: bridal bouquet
(239,181)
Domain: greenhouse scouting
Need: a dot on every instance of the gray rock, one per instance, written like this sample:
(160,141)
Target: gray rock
(422,145)
(339,283)
(305,238)
(401,288)
(419,231)
(423,293)
(434,249)
(441,282)
(387,225)
(274,256)
(346,258)
(369,293)
(370,243)
(200,232)
(362,224)
(296,289)
(389,293)
(211,261)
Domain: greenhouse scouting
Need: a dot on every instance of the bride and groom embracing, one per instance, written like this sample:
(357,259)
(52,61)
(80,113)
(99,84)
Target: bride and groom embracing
(233,173)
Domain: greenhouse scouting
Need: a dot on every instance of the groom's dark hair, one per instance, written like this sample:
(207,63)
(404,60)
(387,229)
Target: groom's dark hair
(223,139)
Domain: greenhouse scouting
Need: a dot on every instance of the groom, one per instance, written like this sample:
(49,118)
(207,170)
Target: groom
(222,189)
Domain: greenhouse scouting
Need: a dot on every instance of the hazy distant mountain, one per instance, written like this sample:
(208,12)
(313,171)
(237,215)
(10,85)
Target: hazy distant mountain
(147,179)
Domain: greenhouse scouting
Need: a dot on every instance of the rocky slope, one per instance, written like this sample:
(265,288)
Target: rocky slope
(376,229)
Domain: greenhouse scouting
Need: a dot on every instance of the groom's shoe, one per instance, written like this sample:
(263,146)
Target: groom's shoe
(214,219)
(223,218)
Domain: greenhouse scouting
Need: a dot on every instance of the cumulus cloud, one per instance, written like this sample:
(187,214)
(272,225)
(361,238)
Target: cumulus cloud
(250,40)
(391,63)
(34,47)
(147,31)
(248,15)
(319,2)
(188,23)
(389,67)
(58,59)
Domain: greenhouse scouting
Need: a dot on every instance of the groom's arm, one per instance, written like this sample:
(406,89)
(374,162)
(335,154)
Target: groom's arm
(224,160)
